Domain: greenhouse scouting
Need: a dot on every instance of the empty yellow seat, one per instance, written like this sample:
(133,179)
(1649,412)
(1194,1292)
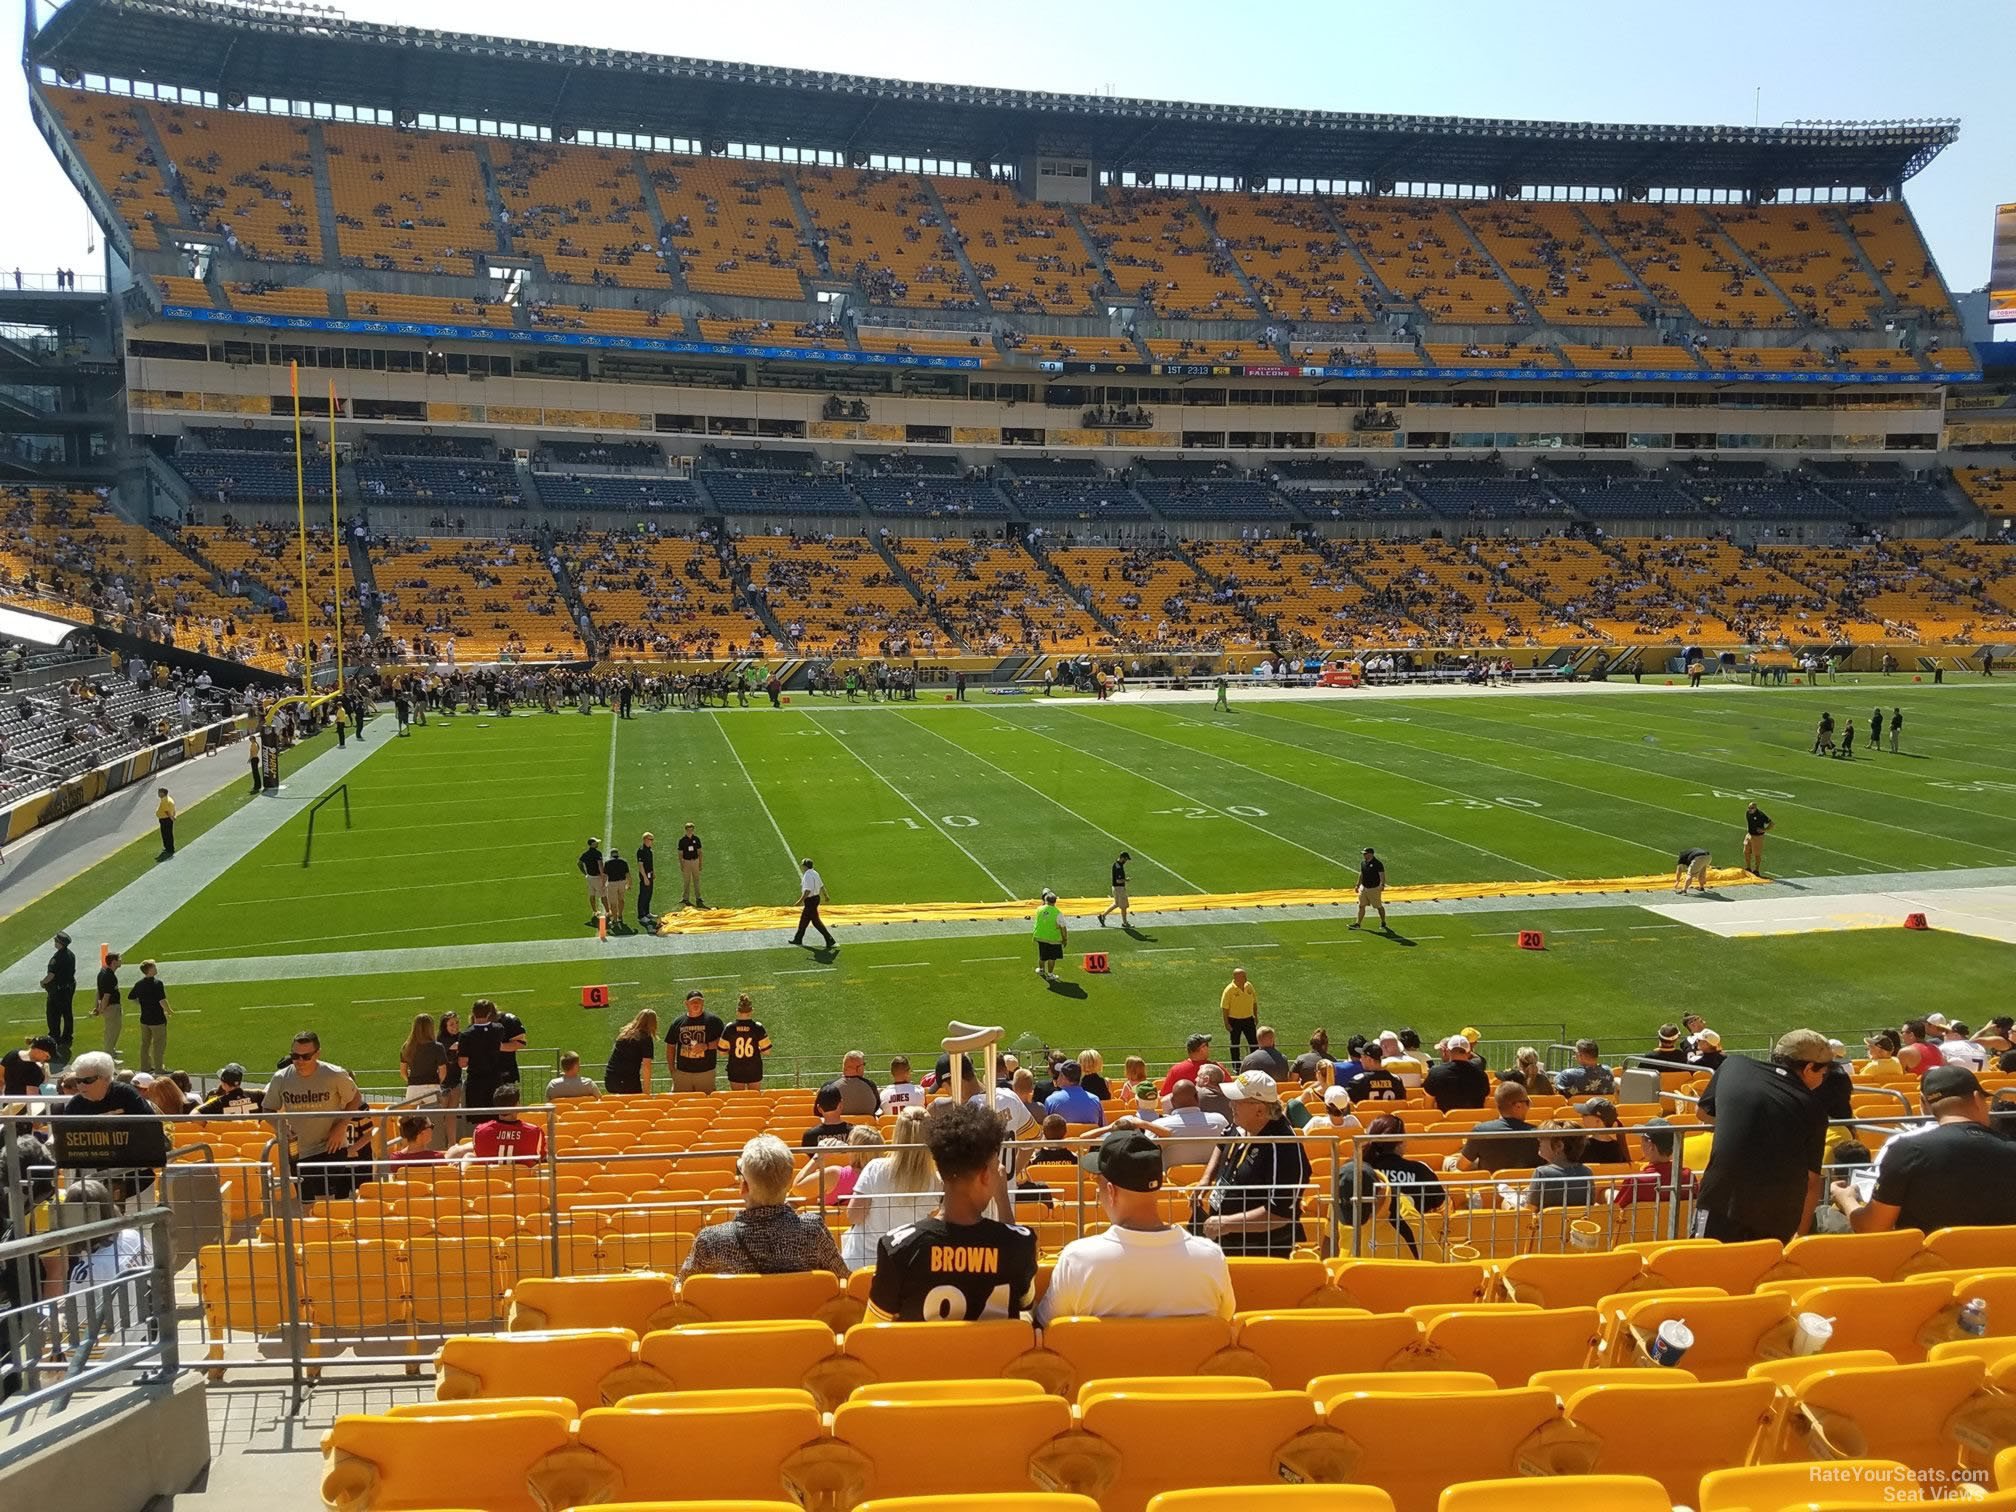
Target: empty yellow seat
(484,1407)
(1568,1280)
(947,1391)
(926,1352)
(1871,1481)
(1730,1333)
(637,1301)
(1898,1317)
(738,1299)
(383,1463)
(943,1448)
(1509,1347)
(1733,1267)
(1979,1247)
(1275,1499)
(1327,1388)
(1909,1413)
(1092,1347)
(1128,1443)
(1722,1420)
(1480,1435)
(578,1364)
(1582,1493)
(1261,1284)
(1565,1383)
(1389,1286)
(1010,1501)
(738,1354)
(1293,1348)
(1876,1256)
(651,1453)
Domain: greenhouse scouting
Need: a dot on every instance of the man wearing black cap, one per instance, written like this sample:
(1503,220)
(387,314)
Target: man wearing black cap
(231,1095)
(1958,1172)
(23,1071)
(1141,1267)
(1763,1175)
(59,982)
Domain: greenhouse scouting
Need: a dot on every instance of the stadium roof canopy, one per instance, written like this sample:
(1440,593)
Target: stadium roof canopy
(239,51)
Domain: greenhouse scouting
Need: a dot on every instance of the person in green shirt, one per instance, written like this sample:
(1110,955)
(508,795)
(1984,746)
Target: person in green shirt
(1221,704)
(1050,935)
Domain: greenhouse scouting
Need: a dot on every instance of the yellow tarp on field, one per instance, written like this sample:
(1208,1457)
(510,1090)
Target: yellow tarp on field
(707,921)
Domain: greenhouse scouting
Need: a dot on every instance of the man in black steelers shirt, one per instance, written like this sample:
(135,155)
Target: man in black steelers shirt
(1119,891)
(689,869)
(962,1265)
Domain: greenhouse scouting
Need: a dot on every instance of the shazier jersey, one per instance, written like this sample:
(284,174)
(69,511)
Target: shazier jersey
(934,1272)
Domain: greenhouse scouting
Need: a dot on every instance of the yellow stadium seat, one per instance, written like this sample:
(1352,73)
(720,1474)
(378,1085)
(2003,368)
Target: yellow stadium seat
(243,1289)
(738,1505)
(1010,1501)
(1565,1383)
(1324,1389)
(1730,1333)
(751,1299)
(1877,1257)
(929,1352)
(1087,1348)
(1733,1267)
(2005,1470)
(1427,1312)
(1900,1317)
(925,1448)
(738,1354)
(1268,1285)
(1509,1347)
(1294,1348)
(1121,1450)
(1721,1422)
(1981,1247)
(947,1391)
(639,1301)
(726,1396)
(484,1407)
(1275,1499)
(1389,1286)
(372,1463)
(1568,1280)
(578,1364)
(1476,1436)
(1582,1493)
(452,1283)
(1782,1436)
(1230,1385)
(1871,1482)
(1909,1413)
(644,1454)
(1997,1356)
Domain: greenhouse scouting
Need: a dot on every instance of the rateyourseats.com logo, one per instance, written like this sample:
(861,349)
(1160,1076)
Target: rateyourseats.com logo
(1950,1483)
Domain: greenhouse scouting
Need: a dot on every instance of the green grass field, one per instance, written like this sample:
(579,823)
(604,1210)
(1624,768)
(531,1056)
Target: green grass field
(465,836)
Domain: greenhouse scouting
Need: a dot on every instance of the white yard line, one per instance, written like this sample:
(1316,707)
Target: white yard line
(609,806)
(775,828)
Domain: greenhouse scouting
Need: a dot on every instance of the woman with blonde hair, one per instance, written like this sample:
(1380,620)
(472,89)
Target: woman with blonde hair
(629,1068)
(836,1163)
(1091,1066)
(422,1061)
(1538,1082)
(899,1189)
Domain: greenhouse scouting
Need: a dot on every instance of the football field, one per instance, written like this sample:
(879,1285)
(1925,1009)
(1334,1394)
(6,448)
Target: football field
(457,876)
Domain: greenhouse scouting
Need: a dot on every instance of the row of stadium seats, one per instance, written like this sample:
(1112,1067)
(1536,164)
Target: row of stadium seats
(416,201)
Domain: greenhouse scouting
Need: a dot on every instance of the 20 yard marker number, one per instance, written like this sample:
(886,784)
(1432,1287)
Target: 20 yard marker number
(1485,803)
(1235,810)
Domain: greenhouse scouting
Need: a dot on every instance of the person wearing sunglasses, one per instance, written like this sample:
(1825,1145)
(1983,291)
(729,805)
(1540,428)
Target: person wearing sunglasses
(314,1094)
(98,1093)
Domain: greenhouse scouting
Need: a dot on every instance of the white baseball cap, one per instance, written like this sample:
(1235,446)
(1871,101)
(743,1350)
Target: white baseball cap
(1252,1086)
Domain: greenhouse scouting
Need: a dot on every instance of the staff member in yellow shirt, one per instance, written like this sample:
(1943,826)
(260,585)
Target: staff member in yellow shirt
(164,815)
(1239,1006)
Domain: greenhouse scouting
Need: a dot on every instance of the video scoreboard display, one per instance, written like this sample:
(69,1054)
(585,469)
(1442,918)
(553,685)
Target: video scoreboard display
(2002,269)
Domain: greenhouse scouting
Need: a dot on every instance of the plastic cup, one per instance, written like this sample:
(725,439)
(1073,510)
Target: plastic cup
(1585,1235)
(1811,1334)
(1671,1342)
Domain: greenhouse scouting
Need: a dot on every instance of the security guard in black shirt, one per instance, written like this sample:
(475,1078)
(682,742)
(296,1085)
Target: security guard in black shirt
(647,877)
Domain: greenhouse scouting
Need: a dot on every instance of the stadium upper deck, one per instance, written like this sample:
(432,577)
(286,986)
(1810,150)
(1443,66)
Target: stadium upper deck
(447,194)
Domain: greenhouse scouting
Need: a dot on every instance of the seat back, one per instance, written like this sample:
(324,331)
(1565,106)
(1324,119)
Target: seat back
(940,1448)
(695,1454)
(1260,1283)
(1733,1267)
(1294,1348)
(1509,1347)
(698,1355)
(1477,1436)
(1669,1432)
(1389,1286)
(1569,1280)
(1245,1434)
(931,1352)
(631,1301)
(1581,1493)
(1876,1256)
(1093,1347)
(1977,1247)
(1266,1499)
(486,1460)
(1872,1481)
(1893,1317)
(1728,1331)
(573,1363)
(734,1299)
(1896,1412)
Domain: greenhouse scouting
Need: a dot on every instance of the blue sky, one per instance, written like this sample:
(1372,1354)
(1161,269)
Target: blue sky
(1695,63)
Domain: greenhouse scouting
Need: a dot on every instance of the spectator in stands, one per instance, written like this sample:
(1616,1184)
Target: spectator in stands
(1960,1049)
(1374,1083)
(422,1062)
(1919,1050)
(859,1097)
(1531,1074)
(1458,1080)
(1602,1149)
(231,1095)
(629,1069)
(1072,1100)
(1266,1057)
(489,1051)
(892,1191)
(1140,1267)
(1561,1179)
(1882,1064)
(1252,1190)
(1588,1077)
(1337,1118)
(1384,1153)
(693,1047)
(1654,1183)
(23,1071)
(1190,1135)
(826,1102)
(1763,1173)
(1512,1103)
(1091,1068)
(1211,1097)
(1399,1060)
(766,1237)
(962,1264)
(1707,1050)
(745,1042)
(901,1092)
(570,1082)
(315,1095)
(1669,1050)
(416,1142)
(1309,1065)
(1958,1173)
(1197,1052)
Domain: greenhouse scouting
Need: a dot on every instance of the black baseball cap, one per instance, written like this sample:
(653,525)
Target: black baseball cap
(1942,1082)
(1196,1040)
(1128,1158)
(233,1074)
(43,1043)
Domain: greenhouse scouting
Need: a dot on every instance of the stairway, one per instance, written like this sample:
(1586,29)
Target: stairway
(1387,298)
(958,246)
(363,576)
(902,575)
(1211,227)
(1888,305)
(178,194)
(641,166)
(1744,260)
(492,195)
(1504,277)
(757,604)
(808,225)
(570,595)
(1077,596)
(325,196)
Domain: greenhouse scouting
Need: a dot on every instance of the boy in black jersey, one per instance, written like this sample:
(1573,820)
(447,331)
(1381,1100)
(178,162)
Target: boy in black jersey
(1119,891)
(746,1042)
(962,1265)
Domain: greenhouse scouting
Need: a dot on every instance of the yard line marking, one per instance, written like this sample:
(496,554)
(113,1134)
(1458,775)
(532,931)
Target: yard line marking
(464,850)
(274,1007)
(1658,926)
(1188,798)
(977,960)
(1498,934)
(727,977)
(1261,947)
(898,965)
(833,735)
(1475,761)
(232,951)
(497,992)
(1058,802)
(775,827)
(372,892)
(609,808)
(1598,929)
(1344,940)
(358,1002)
(805,970)
(1424,937)
(1163,949)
